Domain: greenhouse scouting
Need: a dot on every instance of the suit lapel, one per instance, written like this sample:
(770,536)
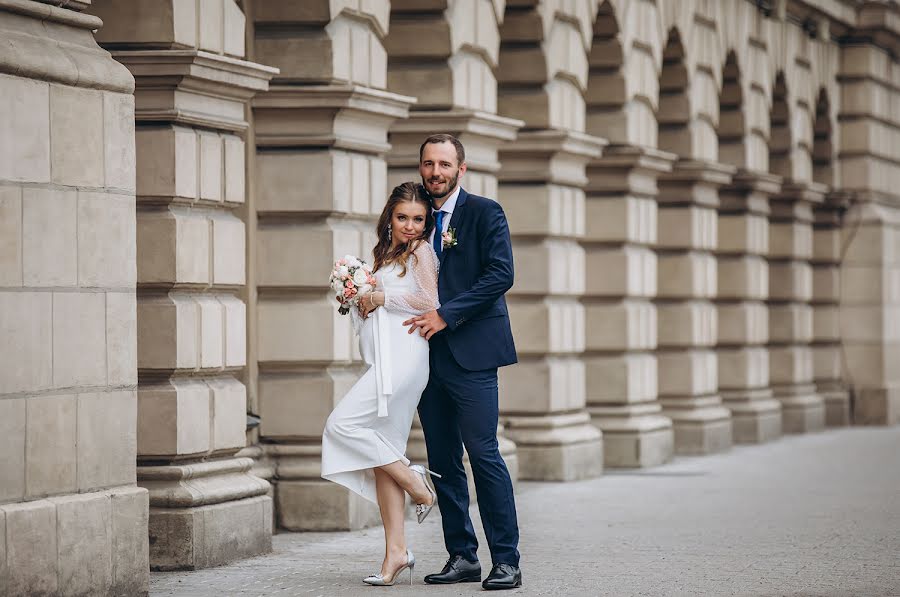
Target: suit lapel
(456,218)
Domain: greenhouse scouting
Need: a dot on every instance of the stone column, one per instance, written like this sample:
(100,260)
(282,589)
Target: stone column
(620,317)
(743,318)
(542,78)
(870,271)
(686,285)
(452,79)
(826,288)
(790,312)
(192,88)
(321,138)
(72,520)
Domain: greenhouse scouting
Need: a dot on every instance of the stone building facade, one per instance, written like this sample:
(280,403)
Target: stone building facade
(702,194)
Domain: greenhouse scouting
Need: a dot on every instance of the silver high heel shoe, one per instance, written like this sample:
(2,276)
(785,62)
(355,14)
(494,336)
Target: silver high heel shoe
(422,510)
(378,580)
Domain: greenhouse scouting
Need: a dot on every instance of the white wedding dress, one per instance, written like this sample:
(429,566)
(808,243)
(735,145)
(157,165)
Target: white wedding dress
(370,426)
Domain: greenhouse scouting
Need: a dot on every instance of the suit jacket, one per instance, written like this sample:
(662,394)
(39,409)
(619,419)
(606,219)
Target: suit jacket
(474,275)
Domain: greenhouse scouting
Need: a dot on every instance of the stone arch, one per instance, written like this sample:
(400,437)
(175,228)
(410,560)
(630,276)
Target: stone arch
(606,94)
(823,147)
(780,136)
(732,129)
(543,69)
(673,113)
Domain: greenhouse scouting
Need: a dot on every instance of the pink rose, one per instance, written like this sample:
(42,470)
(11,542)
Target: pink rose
(349,284)
(348,293)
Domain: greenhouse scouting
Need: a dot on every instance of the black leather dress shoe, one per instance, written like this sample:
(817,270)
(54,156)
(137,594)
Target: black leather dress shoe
(503,576)
(457,569)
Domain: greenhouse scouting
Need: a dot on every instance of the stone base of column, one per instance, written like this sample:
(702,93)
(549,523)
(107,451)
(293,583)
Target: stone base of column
(563,447)
(310,505)
(205,514)
(755,415)
(702,425)
(634,436)
(802,410)
(837,404)
(878,406)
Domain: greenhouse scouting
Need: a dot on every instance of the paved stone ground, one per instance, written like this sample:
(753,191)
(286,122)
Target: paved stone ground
(806,515)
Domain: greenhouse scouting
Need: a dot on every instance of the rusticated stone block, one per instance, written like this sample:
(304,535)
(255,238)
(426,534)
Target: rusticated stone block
(625,219)
(869,284)
(79,339)
(49,238)
(162,321)
(623,271)
(790,323)
(745,277)
(827,362)
(229,253)
(554,266)
(687,372)
(173,418)
(235,166)
(27,341)
(84,542)
(229,413)
(687,324)
(551,384)
(285,324)
(552,325)
(871,323)
(790,364)
(107,440)
(12,452)
(169,158)
(742,323)
(24,116)
(790,281)
(279,246)
(31,549)
(10,236)
(106,240)
(174,246)
(871,243)
(130,548)
(212,340)
(686,275)
(620,379)
(626,325)
(50,455)
(790,240)
(826,323)
(687,228)
(76,131)
(826,284)
(745,367)
(235,314)
(742,233)
(544,209)
(297,405)
(211,166)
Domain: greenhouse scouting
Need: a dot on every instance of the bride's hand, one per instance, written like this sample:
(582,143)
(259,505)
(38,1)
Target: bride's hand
(369,302)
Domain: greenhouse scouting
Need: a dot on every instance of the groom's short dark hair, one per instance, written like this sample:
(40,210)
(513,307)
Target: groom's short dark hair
(445,138)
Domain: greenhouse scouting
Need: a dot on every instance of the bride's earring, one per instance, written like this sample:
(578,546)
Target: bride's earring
(389,232)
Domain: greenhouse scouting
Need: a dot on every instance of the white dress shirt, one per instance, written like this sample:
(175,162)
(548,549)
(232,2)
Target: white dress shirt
(447,208)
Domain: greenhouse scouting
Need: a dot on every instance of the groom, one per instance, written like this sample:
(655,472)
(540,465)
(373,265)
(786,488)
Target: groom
(470,338)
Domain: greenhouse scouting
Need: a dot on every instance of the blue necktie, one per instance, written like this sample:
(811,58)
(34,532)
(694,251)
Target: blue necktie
(438,231)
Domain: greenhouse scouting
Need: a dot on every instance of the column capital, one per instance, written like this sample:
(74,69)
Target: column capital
(749,192)
(694,182)
(348,116)
(796,200)
(628,169)
(194,87)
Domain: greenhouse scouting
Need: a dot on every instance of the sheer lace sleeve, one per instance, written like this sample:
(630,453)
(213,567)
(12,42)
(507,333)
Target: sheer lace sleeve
(424,270)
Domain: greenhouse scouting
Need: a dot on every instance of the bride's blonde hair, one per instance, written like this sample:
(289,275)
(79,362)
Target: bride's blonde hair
(384,255)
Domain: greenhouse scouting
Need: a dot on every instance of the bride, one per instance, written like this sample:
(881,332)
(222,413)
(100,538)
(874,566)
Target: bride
(365,437)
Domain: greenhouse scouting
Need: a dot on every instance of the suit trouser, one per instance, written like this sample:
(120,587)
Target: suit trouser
(459,408)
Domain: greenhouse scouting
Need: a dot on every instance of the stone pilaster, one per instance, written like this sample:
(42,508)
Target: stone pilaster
(452,79)
(321,181)
(743,317)
(620,317)
(686,315)
(790,312)
(72,520)
(191,95)
(543,396)
(870,270)
(826,343)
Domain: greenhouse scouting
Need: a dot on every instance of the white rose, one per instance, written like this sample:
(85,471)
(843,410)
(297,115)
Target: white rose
(360,277)
(338,287)
(343,271)
(365,289)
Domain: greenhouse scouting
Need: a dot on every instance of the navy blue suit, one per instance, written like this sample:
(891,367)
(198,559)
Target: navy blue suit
(459,406)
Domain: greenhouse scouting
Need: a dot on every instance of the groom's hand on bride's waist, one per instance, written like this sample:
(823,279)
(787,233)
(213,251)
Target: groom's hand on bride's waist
(428,324)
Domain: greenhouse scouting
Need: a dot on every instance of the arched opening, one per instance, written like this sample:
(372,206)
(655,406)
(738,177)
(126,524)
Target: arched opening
(780,130)
(674,113)
(606,116)
(732,129)
(823,149)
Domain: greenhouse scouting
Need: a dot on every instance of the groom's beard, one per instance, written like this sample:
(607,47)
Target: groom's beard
(451,184)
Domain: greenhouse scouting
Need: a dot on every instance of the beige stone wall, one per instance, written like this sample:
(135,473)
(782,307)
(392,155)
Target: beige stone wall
(702,198)
(72,520)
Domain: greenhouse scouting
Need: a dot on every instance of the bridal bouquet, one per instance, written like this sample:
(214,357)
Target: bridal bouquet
(350,278)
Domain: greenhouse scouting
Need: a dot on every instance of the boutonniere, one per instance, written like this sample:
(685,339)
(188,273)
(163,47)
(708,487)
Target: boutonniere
(448,239)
